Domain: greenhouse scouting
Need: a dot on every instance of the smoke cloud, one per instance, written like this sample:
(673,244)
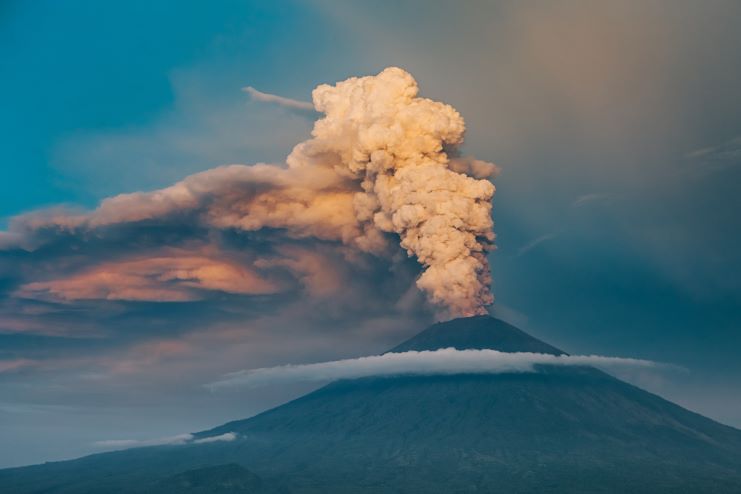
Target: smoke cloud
(444,361)
(381,171)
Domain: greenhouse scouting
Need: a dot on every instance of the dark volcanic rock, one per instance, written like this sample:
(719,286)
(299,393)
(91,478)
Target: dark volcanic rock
(476,333)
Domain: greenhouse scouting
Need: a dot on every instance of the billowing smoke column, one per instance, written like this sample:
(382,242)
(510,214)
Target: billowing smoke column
(380,166)
(377,131)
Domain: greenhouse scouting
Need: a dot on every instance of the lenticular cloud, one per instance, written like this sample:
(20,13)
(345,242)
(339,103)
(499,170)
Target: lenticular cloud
(438,362)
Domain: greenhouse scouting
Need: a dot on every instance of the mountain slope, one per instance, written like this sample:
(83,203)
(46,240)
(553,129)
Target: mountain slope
(228,479)
(566,429)
(476,333)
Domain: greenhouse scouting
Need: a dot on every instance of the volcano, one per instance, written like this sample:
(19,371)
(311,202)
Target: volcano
(560,429)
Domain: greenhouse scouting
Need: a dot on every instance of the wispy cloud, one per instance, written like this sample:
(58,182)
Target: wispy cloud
(719,157)
(229,436)
(25,409)
(444,361)
(14,364)
(133,443)
(585,199)
(534,243)
(179,439)
(292,104)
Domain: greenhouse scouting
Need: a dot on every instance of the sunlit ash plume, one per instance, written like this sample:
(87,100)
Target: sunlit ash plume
(378,132)
(381,171)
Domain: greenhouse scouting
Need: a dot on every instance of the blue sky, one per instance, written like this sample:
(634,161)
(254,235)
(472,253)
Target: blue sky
(615,125)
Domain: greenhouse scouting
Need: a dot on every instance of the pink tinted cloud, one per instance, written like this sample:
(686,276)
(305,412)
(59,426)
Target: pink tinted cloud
(14,364)
(160,279)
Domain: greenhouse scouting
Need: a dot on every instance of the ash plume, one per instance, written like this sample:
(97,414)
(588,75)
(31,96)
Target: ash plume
(378,132)
(380,172)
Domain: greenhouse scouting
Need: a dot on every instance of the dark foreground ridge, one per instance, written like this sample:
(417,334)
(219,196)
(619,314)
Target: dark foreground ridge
(561,430)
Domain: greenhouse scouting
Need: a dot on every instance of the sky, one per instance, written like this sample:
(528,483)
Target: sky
(615,125)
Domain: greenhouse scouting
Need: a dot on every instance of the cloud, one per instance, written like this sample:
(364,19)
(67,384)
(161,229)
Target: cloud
(585,199)
(292,104)
(534,243)
(228,436)
(14,364)
(156,279)
(134,443)
(177,440)
(717,158)
(438,362)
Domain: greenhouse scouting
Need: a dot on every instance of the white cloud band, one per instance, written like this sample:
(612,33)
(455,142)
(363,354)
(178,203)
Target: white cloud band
(443,361)
(176,440)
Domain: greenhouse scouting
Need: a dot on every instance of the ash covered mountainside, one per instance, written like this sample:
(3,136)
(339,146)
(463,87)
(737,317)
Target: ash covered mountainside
(565,429)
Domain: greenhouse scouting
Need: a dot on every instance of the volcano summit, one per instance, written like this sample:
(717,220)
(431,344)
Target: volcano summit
(561,429)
